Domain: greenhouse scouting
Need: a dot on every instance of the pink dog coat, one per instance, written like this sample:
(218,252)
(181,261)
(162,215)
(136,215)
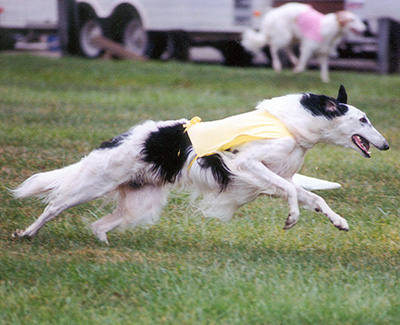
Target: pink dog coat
(309,23)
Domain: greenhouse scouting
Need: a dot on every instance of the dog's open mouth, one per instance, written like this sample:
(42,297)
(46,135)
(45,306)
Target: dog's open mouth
(356,32)
(363,144)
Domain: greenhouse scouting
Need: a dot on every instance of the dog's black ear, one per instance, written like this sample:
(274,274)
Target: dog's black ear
(342,95)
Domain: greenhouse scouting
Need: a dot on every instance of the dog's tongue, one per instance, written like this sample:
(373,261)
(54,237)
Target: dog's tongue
(362,144)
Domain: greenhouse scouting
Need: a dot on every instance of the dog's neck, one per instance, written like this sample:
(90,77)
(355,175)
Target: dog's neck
(305,128)
(330,27)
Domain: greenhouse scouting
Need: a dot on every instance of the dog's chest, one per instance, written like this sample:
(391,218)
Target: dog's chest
(286,163)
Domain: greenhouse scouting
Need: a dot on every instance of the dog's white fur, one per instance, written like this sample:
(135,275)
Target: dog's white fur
(262,167)
(279,30)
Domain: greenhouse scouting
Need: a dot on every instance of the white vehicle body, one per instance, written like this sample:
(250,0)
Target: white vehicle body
(150,27)
(187,15)
(28,14)
(146,27)
(142,25)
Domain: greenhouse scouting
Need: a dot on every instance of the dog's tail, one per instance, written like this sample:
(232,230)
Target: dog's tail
(42,185)
(253,41)
(313,184)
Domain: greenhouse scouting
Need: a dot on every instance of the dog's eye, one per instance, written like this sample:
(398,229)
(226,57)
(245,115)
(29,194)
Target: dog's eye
(363,120)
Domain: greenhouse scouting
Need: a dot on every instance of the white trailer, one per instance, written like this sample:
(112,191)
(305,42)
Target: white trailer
(145,27)
(150,27)
(24,16)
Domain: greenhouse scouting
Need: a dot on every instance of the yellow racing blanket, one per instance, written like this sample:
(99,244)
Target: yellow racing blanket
(210,137)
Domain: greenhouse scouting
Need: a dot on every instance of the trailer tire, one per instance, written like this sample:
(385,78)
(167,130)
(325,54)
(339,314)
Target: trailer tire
(235,54)
(7,40)
(180,46)
(134,37)
(89,29)
(157,45)
(140,42)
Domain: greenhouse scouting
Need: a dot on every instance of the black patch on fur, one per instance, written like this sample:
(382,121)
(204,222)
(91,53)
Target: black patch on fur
(167,150)
(137,183)
(220,171)
(115,142)
(320,105)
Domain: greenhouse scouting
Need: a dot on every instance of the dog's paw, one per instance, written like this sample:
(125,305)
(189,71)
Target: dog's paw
(297,69)
(341,224)
(291,221)
(19,233)
(102,236)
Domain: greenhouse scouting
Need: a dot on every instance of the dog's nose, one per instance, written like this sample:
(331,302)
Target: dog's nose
(385,146)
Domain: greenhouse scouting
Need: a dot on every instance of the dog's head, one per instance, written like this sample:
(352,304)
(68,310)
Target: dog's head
(345,125)
(350,22)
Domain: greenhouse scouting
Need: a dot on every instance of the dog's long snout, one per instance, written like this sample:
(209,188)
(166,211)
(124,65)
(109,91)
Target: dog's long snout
(382,144)
(378,140)
(385,146)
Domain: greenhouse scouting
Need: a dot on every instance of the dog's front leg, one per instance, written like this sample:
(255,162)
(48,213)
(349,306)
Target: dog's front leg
(306,53)
(324,66)
(266,180)
(318,204)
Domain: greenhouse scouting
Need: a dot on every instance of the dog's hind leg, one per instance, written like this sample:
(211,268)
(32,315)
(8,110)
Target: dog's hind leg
(63,200)
(318,204)
(106,224)
(50,212)
(135,206)
(292,57)
(276,61)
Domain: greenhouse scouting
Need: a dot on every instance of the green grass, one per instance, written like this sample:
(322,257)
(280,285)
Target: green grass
(186,269)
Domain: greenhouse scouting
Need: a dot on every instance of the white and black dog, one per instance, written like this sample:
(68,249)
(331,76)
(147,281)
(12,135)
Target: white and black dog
(142,165)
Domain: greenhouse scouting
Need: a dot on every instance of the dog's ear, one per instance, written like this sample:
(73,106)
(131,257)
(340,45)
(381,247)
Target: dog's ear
(343,18)
(331,107)
(342,95)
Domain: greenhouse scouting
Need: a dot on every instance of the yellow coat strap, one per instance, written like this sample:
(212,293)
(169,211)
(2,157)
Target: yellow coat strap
(192,122)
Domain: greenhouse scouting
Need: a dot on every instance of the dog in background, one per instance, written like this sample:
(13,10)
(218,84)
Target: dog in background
(141,166)
(296,23)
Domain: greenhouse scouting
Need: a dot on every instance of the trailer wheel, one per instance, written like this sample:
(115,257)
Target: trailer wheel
(142,43)
(7,40)
(157,44)
(89,29)
(135,38)
(235,54)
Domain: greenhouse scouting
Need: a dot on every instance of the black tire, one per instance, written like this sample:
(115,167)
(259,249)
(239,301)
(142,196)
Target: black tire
(139,41)
(7,40)
(89,28)
(134,37)
(157,45)
(180,46)
(235,54)
(68,27)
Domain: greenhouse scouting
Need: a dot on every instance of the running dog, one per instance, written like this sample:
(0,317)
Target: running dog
(297,23)
(225,169)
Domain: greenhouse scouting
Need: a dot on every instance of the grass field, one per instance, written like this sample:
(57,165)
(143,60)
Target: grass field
(185,269)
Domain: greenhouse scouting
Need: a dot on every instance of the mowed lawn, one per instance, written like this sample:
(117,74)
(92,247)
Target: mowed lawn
(187,269)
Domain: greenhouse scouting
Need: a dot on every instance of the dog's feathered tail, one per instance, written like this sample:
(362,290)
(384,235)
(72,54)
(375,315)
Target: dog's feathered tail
(253,41)
(313,184)
(43,185)
(95,175)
